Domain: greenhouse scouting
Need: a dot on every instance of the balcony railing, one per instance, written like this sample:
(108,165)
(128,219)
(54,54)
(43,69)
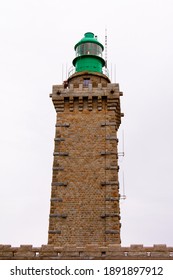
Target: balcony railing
(71,71)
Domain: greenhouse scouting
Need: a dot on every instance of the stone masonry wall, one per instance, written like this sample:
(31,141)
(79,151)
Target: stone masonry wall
(90,252)
(85,188)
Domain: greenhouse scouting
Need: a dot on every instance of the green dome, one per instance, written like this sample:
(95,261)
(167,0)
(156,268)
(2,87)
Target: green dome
(89,38)
(89,54)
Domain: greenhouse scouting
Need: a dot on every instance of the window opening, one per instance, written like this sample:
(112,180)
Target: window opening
(86,82)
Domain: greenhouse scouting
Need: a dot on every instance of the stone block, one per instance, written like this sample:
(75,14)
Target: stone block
(136,247)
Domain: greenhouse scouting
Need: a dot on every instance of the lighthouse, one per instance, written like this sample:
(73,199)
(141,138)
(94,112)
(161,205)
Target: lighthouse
(84,205)
(84,219)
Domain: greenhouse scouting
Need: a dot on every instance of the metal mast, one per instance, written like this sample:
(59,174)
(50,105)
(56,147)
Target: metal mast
(106,48)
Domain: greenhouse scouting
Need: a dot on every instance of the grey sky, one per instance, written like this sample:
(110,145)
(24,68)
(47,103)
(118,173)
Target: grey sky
(36,39)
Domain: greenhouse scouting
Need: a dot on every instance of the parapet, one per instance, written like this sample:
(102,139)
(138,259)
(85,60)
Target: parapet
(99,98)
(89,252)
(80,89)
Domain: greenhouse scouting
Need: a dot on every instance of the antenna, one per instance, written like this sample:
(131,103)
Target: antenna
(123,141)
(115,72)
(123,196)
(106,48)
(121,154)
(62,73)
(66,71)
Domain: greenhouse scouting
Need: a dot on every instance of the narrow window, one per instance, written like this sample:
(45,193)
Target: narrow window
(86,82)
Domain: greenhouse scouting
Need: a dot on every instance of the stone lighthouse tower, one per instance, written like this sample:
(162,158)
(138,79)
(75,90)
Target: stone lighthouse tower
(84,220)
(85,188)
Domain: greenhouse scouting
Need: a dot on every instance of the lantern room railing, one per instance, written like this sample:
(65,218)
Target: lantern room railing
(72,70)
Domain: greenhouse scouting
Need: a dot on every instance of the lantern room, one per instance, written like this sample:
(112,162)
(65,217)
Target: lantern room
(89,54)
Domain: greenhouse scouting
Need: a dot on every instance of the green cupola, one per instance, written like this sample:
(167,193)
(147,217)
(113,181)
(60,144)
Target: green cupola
(89,54)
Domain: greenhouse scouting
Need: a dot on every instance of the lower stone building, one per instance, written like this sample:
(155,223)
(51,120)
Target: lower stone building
(89,252)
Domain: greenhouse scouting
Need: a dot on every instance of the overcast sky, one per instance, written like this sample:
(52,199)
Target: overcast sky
(37,37)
